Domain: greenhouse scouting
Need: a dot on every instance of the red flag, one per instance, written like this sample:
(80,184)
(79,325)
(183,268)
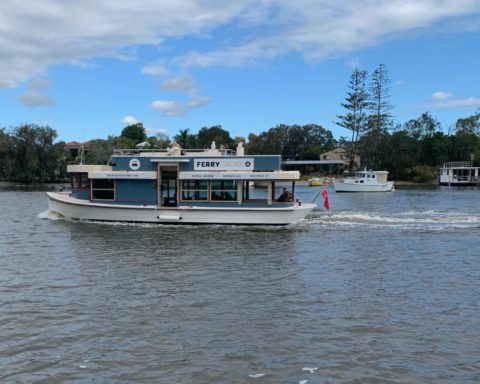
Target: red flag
(324,194)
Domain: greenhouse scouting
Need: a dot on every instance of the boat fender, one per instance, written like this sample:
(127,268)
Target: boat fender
(168,217)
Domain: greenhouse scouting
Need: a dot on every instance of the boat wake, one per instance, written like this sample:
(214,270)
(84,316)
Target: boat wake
(50,215)
(427,220)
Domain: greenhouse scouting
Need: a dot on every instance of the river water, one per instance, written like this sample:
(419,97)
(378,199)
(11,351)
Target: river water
(383,288)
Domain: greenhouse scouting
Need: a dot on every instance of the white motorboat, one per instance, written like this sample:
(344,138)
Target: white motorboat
(365,181)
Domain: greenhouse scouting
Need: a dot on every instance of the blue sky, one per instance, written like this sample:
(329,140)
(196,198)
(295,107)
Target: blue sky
(89,68)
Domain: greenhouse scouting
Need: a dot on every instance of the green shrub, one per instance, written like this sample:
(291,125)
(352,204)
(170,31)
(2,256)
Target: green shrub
(423,173)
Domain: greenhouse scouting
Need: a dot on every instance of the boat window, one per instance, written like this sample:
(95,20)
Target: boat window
(373,176)
(103,189)
(195,190)
(368,176)
(361,181)
(223,190)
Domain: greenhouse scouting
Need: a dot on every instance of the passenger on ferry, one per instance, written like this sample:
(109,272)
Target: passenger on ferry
(174,150)
(286,196)
(240,150)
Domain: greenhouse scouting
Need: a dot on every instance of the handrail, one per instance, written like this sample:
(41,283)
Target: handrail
(458,164)
(134,151)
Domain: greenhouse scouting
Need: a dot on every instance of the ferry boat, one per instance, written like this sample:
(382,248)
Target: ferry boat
(459,173)
(178,186)
(365,181)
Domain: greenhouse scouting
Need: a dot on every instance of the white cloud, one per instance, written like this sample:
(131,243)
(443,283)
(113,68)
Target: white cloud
(158,132)
(181,83)
(455,103)
(321,29)
(6,84)
(198,101)
(184,84)
(35,99)
(129,120)
(446,100)
(438,96)
(158,69)
(169,108)
(50,32)
(261,30)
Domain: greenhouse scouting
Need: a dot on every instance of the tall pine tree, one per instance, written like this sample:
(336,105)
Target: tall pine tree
(356,104)
(380,118)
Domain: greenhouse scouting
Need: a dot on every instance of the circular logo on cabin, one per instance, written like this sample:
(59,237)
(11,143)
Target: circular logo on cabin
(247,164)
(134,164)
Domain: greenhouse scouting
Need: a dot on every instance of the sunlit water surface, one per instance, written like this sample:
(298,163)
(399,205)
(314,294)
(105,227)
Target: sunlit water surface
(383,288)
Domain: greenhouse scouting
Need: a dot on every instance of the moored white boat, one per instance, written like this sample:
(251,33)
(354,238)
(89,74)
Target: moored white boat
(365,181)
(197,187)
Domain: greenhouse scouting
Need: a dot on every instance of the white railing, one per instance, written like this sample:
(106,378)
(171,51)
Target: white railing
(136,151)
(458,164)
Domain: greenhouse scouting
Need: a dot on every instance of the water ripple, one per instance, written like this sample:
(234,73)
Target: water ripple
(379,289)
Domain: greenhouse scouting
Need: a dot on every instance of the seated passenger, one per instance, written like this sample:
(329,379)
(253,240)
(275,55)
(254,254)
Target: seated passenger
(285,196)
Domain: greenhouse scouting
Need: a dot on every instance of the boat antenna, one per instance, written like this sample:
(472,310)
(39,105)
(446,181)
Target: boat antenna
(81,155)
(82,149)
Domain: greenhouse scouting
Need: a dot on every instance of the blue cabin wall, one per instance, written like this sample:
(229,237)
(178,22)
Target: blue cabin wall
(261,163)
(127,191)
(83,194)
(139,191)
(120,163)
(136,191)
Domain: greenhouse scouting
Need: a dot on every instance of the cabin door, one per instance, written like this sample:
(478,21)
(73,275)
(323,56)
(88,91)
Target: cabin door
(168,187)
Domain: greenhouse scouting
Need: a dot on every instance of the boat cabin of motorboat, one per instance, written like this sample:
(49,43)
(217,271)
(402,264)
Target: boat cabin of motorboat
(181,186)
(365,181)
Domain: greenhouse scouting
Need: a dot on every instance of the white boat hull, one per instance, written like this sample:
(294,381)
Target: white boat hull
(70,207)
(342,186)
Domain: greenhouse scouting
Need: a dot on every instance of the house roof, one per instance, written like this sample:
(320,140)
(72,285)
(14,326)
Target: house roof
(77,145)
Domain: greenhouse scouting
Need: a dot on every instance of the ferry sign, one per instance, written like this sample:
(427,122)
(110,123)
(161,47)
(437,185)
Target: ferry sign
(278,175)
(223,164)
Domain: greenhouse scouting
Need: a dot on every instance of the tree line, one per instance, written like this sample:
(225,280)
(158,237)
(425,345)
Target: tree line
(412,150)
(29,153)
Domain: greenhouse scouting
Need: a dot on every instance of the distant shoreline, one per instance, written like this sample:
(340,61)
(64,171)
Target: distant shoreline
(43,186)
(58,184)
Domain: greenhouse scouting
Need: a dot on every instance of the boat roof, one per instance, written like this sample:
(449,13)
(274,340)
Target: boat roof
(370,171)
(459,164)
